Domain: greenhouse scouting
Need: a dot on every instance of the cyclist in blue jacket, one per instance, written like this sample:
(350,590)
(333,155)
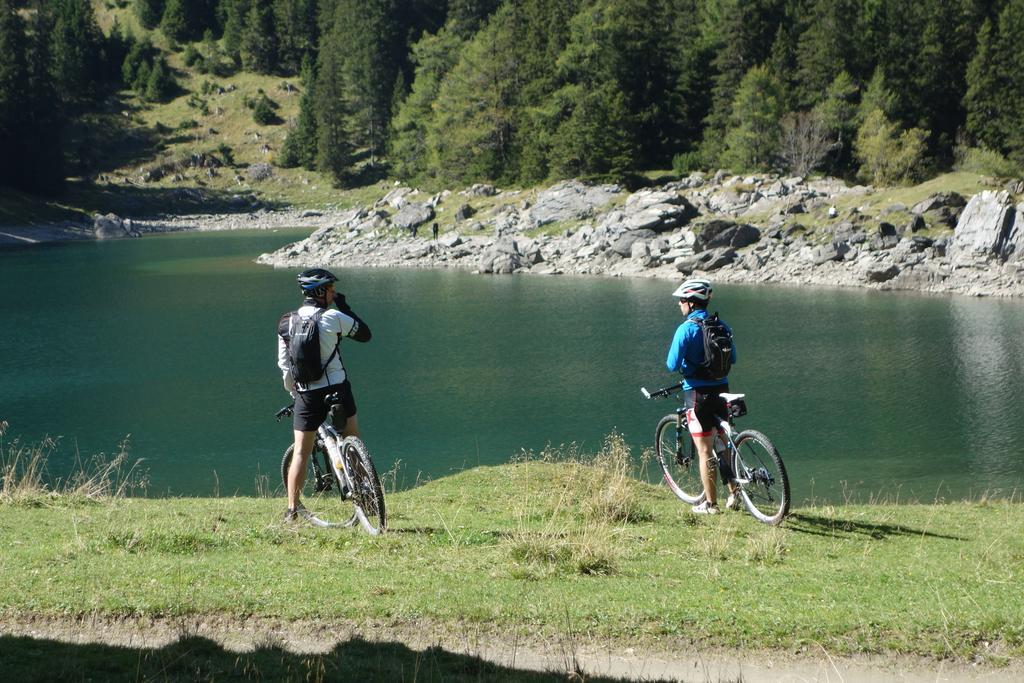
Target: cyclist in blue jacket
(702,397)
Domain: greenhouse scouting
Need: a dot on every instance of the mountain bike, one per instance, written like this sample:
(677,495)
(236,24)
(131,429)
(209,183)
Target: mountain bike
(341,470)
(748,460)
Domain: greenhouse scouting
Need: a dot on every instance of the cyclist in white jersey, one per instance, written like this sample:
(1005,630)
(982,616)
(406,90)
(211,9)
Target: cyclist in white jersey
(318,290)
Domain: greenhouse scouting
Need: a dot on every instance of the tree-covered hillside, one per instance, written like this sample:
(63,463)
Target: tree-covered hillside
(522,91)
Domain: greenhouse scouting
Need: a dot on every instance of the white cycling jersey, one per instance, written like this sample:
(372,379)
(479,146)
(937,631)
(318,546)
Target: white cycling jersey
(333,325)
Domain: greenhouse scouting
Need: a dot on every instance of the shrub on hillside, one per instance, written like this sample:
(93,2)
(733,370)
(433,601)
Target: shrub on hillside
(887,154)
(984,161)
(686,163)
(263,110)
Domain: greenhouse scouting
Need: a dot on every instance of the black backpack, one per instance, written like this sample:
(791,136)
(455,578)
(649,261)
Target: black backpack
(717,348)
(302,336)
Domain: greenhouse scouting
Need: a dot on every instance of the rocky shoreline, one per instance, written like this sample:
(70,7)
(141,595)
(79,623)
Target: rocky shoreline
(763,229)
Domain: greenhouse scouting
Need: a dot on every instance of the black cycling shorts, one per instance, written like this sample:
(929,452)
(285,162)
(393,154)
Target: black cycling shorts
(310,410)
(706,406)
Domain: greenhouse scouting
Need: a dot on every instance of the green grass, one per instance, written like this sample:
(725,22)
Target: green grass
(541,547)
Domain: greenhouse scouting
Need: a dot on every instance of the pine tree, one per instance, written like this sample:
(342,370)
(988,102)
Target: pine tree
(823,48)
(176,22)
(235,13)
(259,38)
(149,12)
(904,26)
(434,56)
(940,75)
(837,112)
(877,95)
(42,167)
(983,97)
(1010,69)
(299,147)
(333,141)
(160,85)
(368,33)
(692,52)
(742,32)
(13,88)
(753,136)
(297,32)
(599,137)
(472,132)
(465,17)
(75,52)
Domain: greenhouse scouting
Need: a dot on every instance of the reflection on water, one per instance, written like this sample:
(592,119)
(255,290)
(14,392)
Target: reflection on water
(987,350)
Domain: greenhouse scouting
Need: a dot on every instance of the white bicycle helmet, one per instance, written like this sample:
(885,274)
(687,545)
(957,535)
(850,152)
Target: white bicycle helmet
(694,290)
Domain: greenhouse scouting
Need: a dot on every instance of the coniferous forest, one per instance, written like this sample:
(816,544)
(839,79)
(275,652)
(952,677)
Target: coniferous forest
(523,91)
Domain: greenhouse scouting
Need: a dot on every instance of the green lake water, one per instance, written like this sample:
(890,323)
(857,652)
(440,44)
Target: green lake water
(170,341)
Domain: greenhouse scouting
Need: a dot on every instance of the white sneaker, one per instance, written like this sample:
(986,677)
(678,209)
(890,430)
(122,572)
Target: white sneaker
(733,502)
(705,509)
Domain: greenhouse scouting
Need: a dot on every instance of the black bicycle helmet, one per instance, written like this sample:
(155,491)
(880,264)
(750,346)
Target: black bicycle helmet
(313,281)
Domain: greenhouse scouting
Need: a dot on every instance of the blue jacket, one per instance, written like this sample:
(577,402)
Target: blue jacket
(687,352)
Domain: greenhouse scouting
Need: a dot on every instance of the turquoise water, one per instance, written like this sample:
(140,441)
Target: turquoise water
(169,341)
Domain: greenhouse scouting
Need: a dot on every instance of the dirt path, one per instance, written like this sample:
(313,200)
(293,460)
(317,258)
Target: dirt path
(590,657)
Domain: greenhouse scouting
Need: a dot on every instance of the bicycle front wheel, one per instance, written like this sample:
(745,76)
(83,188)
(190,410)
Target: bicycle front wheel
(367,493)
(764,486)
(320,492)
(679,462)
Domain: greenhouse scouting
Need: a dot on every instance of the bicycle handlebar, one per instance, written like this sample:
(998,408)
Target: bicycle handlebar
(287,410)
(661,393)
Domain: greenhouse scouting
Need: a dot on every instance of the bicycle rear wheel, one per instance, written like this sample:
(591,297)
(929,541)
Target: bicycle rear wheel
(764,486)
(367,493)
(679,461)
(321,493)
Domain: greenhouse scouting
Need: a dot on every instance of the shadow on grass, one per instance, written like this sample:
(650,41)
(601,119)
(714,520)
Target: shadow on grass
(831,526)
(201,659)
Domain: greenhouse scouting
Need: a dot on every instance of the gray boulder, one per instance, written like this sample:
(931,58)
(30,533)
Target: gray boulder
(988,226)
(639,250)
(724,233)
(720,258)
(939,201)
(661,217)
(624,244)
(569,200)
(881,272)
(481,190)
(112,226)
(396,198)
(450,240)
(463,212)
(412,214)
(915,224)
(826,253)
(260,171)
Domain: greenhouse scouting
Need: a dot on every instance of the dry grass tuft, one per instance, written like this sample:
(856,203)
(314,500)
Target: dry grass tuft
(767,547)
(583,517)
(25,478)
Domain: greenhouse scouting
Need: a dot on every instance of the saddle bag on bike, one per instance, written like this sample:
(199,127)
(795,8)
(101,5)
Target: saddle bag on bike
(302,335)
(717,348)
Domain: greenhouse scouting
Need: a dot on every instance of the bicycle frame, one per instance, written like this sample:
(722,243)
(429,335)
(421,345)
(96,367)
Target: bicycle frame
(725,431)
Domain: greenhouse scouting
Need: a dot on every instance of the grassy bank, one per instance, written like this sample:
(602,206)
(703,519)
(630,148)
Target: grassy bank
(541,548)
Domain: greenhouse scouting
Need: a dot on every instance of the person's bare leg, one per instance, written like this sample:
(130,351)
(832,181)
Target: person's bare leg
(297,471)
(707,467)
(351,427)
